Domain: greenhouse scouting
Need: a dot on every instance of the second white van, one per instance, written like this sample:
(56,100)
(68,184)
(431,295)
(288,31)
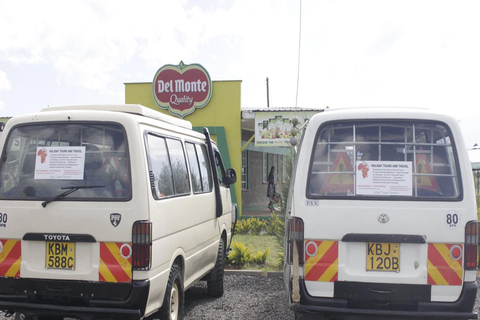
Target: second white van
(382,218)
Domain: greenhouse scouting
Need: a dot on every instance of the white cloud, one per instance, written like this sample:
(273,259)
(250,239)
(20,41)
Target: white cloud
(353,53)
(4,82)
(4,86)
(87,42)
(411,53)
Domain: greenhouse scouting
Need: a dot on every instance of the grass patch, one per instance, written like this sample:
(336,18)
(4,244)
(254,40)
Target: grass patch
(259,243)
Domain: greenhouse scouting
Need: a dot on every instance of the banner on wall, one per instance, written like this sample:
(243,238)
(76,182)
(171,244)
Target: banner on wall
(182,88)
(272,129)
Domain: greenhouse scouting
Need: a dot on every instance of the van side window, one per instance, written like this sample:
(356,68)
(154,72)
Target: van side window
(199,168)
(205,168)
(179,166)
(160,166)
(168,167)
(220,167)
(378,159)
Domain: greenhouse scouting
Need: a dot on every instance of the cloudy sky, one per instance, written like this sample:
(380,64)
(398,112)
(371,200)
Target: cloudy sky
(344,53)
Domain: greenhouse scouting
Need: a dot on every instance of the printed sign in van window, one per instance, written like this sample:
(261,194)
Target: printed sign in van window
(384,178)
(60,163)
(387,158)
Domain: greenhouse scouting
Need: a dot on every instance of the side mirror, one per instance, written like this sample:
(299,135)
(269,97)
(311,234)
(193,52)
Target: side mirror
(230,176)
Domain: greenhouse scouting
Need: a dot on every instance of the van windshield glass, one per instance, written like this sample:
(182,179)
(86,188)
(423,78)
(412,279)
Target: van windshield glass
(379,159)
(39,161)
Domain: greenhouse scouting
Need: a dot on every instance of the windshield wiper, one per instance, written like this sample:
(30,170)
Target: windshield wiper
(66,193)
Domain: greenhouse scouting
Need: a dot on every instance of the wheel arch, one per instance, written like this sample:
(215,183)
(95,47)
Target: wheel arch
(179,259)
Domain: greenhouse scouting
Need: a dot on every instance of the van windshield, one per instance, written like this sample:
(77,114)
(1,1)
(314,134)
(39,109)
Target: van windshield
(384,158)
(40,161)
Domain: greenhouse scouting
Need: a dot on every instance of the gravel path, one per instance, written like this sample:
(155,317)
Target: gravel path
(246,297)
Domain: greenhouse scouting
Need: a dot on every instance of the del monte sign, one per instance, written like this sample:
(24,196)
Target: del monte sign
(181,89)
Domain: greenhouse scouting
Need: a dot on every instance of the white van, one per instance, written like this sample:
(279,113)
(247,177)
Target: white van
(109,212)
(381,218)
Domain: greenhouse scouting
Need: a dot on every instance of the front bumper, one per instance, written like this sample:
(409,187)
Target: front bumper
(76,299)
(407,302)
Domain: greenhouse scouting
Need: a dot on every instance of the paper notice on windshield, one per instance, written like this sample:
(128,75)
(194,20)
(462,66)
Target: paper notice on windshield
(384,178)
(60,163)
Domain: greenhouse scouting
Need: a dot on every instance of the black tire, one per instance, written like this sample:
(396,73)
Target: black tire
(174,300)
(215,281)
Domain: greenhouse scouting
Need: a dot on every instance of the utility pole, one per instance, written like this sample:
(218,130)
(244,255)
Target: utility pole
(268,96)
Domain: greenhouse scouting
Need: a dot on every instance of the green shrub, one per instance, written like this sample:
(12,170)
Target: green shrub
(260,257)
(242,227)
(240,254)
(251,225)
(275,226)
(257,226)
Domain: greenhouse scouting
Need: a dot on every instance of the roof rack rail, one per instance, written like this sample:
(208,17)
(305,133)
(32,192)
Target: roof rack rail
(126,108)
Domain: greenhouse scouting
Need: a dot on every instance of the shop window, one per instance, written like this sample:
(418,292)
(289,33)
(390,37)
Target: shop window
(265,169)
(270,160)
(275,161)
(283,168)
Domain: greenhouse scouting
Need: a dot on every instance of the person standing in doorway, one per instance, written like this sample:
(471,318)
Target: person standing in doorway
(271,186)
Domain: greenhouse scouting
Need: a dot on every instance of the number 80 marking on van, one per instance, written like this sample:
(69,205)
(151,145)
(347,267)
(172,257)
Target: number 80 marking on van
(3,220)
(452,219)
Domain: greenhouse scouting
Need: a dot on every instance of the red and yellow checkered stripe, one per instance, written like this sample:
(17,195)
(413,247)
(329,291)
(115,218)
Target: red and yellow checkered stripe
(10,258)
(115,262)
(321,260)
(445,264)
